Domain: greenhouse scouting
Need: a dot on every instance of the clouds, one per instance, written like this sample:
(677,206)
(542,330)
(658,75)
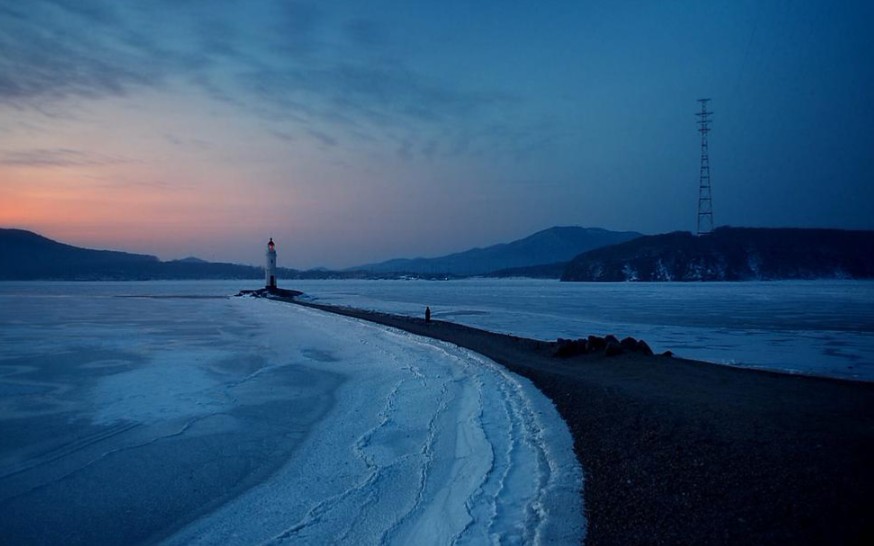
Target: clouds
(291,62)
(54,50)
(297,28)
(348,117)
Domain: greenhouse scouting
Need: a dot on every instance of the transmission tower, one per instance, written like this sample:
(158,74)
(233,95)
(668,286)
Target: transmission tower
(705,203)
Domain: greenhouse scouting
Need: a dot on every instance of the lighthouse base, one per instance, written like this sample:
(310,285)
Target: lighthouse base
(271,291)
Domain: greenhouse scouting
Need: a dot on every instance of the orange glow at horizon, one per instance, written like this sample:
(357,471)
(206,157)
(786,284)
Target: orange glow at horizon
(118,207)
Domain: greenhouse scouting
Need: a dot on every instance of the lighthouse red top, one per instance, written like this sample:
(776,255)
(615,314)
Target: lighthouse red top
(270,245)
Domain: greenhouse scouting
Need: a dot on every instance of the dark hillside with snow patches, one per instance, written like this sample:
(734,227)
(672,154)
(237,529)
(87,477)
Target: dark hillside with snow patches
(731,254)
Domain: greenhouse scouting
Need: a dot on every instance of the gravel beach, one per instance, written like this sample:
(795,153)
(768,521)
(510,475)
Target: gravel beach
(682,452)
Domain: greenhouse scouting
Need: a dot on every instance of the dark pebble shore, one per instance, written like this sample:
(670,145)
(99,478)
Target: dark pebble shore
(676,451)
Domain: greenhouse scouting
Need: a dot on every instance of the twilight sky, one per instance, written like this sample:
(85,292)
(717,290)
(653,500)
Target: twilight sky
(356,131)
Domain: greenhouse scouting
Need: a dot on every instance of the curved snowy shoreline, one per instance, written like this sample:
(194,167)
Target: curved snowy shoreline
(426,443)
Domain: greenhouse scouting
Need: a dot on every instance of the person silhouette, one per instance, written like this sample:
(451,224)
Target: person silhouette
(427,314)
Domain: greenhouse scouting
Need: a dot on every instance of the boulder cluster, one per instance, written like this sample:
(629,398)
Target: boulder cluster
(609,345)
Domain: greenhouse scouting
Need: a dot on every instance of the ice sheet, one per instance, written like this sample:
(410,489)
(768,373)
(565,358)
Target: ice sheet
(157,416)
(426,442)
(122,418)
(812,327)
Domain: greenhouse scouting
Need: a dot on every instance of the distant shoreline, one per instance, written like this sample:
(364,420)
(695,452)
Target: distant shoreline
(677,451)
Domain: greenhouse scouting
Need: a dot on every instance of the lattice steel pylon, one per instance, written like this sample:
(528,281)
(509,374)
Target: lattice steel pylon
(705,201)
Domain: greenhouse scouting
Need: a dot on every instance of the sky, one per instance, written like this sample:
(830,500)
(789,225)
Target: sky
(353,132)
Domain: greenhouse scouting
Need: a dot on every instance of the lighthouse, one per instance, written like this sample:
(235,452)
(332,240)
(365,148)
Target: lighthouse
(270,267)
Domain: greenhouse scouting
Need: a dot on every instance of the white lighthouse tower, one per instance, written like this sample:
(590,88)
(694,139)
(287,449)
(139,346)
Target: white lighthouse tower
(270,267)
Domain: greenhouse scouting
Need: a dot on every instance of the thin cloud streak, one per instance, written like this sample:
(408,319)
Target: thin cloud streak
(58,157)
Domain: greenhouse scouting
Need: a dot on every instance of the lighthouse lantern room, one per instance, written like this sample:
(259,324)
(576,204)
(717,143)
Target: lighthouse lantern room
(270,267)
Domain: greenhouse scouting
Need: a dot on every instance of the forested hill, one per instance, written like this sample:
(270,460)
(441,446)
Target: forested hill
(731,254)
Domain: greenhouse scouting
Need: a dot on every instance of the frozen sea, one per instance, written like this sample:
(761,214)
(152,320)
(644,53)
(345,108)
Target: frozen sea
(166,412)
(169,413)
(809,327)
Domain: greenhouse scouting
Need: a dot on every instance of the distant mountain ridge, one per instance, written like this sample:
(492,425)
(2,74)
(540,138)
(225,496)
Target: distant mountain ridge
(728,254)
(731,254)
(25,255)
(549,246)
